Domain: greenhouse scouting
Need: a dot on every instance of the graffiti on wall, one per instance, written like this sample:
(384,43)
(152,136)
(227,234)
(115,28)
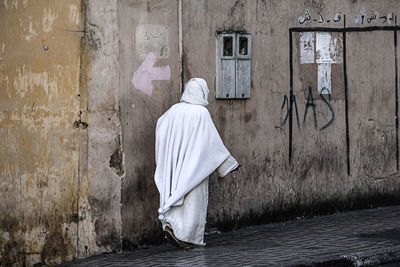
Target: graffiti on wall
(326,46)
(145,75)
(319,18)
(310,106)
(374,15)
(360,19)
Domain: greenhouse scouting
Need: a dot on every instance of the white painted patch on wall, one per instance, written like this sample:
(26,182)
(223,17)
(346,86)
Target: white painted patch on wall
(306,47)
(2,49)
(5,84)
(74,14)
(10,4)
(145,75)
(31,32)
(328,50)
(324,78)
(323,47)
(1,116)
(152,38)
(26,81)
(48,20)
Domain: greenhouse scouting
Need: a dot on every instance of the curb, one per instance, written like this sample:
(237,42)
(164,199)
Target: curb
(374,257)
(364,258)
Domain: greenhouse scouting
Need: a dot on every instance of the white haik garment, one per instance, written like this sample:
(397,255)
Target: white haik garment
(188,150)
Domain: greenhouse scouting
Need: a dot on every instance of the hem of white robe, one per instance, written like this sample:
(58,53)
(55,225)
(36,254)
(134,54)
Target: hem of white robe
(182,236)
(167,222)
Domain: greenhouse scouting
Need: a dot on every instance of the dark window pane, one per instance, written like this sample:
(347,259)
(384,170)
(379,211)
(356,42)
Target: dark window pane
(243,43)
(228,46)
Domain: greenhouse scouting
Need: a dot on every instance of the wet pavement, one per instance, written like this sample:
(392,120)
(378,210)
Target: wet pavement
(354,238)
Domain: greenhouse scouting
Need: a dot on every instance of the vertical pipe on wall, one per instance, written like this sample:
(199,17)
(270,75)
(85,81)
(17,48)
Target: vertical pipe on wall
(180,46)
(346,97)
(291,94)
(397,95)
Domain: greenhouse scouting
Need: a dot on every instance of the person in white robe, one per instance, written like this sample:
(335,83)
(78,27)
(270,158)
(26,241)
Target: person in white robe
(188,150)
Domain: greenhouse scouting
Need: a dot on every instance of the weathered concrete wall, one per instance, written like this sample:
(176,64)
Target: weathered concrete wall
(83,83)
(255,130)
(342,157)
(105,154)
(149,49)
(39,155)
(61,160)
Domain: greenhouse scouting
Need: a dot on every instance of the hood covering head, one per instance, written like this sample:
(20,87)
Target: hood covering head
(196,92)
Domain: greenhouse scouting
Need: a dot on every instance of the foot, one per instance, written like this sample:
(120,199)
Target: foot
(169,235)
(187,245)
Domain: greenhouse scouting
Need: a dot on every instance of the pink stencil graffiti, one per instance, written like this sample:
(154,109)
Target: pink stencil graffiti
(147,73)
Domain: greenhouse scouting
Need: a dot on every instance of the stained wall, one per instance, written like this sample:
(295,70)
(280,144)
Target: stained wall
(83,83)
(40,50)
(61,155)
(302,152)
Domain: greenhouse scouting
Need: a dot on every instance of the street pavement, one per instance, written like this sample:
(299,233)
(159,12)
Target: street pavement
(368,237)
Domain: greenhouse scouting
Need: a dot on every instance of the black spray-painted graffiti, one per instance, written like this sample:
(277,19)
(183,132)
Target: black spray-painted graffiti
(309,104)
(344,30)
(320,19)
(287,104)
(363,18)
(359,20)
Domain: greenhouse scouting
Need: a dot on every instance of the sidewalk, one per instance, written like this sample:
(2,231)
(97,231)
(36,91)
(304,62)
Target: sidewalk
(353,238)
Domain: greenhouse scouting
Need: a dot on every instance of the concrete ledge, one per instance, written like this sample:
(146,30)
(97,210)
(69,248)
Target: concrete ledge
(374,257)
(365,258)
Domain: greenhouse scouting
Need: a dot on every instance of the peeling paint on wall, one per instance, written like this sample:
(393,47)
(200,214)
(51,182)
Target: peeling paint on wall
(2,55)
(27,81)
(31,33)
(39,158)
(328,49)
(48,19)
(152,38)
(324,78)
(63,185)
(74,14)
(307,47)
(10,4)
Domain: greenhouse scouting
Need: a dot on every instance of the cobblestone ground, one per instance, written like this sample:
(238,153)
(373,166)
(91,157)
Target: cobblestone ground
(305,241)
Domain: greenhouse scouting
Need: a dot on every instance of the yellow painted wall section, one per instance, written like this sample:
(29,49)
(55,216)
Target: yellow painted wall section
(40,45)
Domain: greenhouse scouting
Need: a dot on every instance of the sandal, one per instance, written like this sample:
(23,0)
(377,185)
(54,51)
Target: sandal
(169,235)
(187,245)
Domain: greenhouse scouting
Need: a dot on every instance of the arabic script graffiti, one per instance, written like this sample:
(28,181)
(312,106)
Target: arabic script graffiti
(364,18)
(320,18)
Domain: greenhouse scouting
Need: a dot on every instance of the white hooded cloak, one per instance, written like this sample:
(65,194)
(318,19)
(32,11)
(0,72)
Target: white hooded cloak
(188,150)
